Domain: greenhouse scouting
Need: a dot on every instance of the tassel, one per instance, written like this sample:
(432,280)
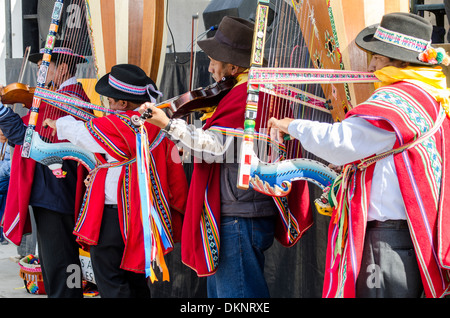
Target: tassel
(341,216)
(160,259)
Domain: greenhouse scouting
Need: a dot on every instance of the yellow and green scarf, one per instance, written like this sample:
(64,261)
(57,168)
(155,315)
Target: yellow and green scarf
(432,79)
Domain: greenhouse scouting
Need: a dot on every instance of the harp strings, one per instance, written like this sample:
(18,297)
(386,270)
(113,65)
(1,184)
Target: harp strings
(74,37)
(287,47)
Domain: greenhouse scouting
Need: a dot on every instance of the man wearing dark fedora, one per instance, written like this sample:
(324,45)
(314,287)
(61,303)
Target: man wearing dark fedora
(388,235)
(226,230)
(110,219)
(63,64)
(54,201)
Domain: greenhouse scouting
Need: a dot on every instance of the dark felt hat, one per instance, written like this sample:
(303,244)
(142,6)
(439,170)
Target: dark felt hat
(127,82)
(232,42)
(60,53)
(401,36)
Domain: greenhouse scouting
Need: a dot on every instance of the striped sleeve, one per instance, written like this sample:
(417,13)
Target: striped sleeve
(12,125)
(3,110)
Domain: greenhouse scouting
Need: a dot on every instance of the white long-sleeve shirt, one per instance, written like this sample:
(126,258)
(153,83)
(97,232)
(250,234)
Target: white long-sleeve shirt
(204,144)
(76,132)
(354,139)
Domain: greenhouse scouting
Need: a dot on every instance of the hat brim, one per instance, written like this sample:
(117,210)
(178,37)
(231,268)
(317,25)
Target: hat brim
(223,53)
(103,88)
(367,42)
(36,57)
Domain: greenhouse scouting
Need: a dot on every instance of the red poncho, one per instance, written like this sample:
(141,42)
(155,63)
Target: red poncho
(200,237)
(16,220)
(117,136)
(422,172)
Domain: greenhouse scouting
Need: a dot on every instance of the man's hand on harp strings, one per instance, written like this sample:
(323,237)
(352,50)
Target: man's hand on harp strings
(278,128)
(51,123)
(154,115)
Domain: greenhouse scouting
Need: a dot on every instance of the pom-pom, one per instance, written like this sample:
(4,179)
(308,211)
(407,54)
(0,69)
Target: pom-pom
(442,56)
(431,52)
(32,287)
(435,56)
(440,53)
(446,60)
(422,57)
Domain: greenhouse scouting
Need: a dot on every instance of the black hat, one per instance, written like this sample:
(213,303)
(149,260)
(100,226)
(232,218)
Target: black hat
(128,82)
(401,36)
(60,53)
(232,42)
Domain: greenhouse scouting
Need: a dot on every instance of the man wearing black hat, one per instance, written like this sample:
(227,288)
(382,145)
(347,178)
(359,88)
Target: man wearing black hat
(63,65)
(226,230)
(54,200)
(110,221)
(388,236)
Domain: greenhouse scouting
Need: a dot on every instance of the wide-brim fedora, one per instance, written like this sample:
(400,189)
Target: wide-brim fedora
(232,42)
(60,52)
(400,35)
(127,82)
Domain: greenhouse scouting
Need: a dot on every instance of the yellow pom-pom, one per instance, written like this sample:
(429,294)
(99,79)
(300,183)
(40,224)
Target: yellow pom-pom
(431,53)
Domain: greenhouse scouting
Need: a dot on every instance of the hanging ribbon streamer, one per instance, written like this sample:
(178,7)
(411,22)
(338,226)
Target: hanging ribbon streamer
(155,237)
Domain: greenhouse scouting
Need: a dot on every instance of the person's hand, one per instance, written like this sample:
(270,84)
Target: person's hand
(3,138)
(158,117)
(50,123)
(338,169)
(278,128)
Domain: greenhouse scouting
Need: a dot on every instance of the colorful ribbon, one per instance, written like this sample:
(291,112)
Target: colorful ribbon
(155,235)
(268,75)
(62,100)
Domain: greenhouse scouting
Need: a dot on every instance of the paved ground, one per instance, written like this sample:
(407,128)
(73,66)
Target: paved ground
(11,284)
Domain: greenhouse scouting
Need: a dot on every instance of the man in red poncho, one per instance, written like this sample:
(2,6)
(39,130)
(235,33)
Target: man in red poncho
(54,201)
(226,230)
(110,219)
(388,235)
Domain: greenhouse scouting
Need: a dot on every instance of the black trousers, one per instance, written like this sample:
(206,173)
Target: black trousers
(106,257)
(389,266)
(58,254)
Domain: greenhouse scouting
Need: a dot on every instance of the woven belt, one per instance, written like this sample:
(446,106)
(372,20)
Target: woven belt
(389,224)
(111,206)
